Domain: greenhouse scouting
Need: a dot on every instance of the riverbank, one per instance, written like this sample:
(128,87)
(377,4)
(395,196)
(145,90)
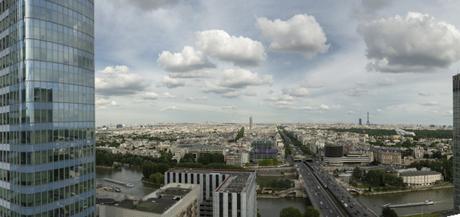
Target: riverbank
(447,186)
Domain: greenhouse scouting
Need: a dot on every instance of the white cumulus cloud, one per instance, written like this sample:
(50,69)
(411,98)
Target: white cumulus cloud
(414,43)
(239,50)
(172,82)
(150,96)
(118,81)
(241,78)
(187,60)
(102,103)
(301,33)
(324,107)
(236,82)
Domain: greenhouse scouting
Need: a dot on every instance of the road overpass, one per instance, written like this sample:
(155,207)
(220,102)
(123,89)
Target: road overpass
(318,195)
(341,196)
(325,194)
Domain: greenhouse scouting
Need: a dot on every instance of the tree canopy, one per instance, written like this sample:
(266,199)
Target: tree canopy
(290,212)
(388,212)
(311,212)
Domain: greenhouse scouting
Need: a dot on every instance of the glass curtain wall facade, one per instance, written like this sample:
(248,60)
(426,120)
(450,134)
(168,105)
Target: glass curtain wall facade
(456,140)
(47,152)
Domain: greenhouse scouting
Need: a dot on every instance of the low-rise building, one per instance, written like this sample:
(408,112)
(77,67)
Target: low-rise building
(387,155)
(263,149)
(172,200)
(420,178)
(236,157)
(352,160)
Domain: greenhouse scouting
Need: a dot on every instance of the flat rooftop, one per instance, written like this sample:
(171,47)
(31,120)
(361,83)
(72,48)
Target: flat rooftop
(236,183)
(238,180)
(165,199)
(419,173)
(201,170)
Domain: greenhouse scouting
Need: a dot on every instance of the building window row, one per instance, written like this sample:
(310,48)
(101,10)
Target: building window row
(46,156)
(68,210)
(46,136)
(61,73)
(59,34)
(48,11)
(43,177)
(12,18)
(56,53)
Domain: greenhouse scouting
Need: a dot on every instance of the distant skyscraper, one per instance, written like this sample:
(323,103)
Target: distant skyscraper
(250,123)
(360,121)
(47,152)
(368,121)
(456,141)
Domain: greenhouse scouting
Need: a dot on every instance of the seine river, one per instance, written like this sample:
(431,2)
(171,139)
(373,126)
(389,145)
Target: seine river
(443,198)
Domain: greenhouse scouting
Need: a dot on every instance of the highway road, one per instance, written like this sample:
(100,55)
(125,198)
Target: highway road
(318,195)
(342,197)
(326,195)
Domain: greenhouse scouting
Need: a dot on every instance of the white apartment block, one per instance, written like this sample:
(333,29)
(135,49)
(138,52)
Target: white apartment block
(237,188)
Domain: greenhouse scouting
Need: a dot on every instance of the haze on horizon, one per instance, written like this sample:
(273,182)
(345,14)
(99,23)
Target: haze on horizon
(298,61)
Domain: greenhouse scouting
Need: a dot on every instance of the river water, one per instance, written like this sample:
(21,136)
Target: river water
(443,198)
(125,175)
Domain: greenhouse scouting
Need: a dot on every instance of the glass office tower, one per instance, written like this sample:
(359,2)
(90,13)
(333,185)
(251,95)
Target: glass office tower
(47,152)
(456,140)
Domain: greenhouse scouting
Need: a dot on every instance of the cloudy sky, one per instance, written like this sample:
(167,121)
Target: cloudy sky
(278,61)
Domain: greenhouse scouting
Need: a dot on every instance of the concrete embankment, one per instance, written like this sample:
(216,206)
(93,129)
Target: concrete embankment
(409,190)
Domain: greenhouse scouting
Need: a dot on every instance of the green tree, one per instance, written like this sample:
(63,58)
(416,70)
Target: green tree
(311,212)
(210,158)
(357,174)
(157,179)
(188,158)
(149,168)
(290,212)
(374,178)
(388,212)
(444,166)
(268,162)
(379,178)
(392,180)
(240,134)
(437,155)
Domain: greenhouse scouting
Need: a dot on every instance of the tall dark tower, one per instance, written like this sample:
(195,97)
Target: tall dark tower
(456,141)
(368,122)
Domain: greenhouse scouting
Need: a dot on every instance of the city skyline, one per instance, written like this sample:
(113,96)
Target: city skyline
(165,61)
